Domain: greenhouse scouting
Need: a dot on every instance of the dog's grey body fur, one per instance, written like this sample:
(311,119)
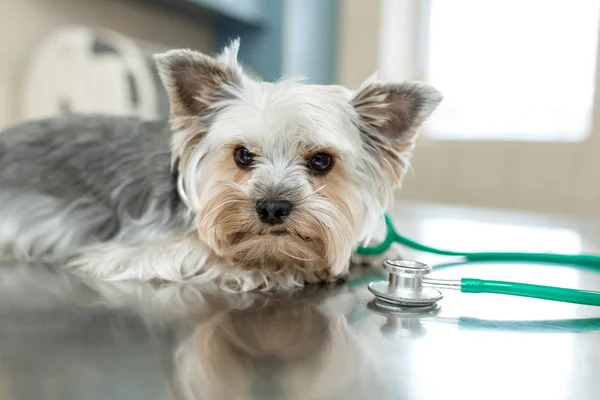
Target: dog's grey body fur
(73,181)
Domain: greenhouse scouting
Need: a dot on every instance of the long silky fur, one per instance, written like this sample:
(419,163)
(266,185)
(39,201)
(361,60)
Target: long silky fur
(127,199)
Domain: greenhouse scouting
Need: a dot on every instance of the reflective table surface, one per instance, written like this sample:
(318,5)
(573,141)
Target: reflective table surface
(65,338)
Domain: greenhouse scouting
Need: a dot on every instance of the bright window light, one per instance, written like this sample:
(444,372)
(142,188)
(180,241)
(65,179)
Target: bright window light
(512,69)
(464,235)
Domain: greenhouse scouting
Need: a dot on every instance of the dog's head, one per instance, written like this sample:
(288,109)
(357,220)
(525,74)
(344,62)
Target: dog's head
(285,172)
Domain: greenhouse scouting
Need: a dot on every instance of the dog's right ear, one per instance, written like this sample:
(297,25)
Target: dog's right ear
(195,81)
(389,116)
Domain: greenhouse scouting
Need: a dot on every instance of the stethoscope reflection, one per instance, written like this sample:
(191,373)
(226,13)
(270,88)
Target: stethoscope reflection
(414,322)
(403,322)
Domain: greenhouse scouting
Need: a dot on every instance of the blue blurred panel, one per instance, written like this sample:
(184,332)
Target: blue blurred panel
(244,11)
(310,39)
(294,37)
(278,37)
(261,47)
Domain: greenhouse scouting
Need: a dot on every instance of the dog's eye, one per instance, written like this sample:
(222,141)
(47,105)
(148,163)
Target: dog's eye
(243,157)
(320,162)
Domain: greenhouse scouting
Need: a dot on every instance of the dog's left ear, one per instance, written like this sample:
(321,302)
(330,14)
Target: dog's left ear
(390,115)
(195,81)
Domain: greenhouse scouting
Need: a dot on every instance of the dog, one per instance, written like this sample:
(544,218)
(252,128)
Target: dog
(255,185)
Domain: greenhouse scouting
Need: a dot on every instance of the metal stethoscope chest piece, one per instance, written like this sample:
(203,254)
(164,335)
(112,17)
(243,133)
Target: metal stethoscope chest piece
(405,285)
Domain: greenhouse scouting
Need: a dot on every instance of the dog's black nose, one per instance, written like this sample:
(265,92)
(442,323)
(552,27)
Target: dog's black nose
(273,211)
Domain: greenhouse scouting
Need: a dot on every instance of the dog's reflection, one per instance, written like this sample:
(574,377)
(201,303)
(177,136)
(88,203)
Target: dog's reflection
(284,348)
(289,345)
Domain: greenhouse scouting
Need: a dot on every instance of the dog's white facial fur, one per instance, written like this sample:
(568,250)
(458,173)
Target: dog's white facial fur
(369,134)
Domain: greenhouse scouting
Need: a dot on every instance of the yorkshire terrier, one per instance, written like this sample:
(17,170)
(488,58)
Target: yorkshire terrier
(253,184)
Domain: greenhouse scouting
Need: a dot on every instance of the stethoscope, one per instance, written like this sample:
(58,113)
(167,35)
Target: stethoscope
(408,286)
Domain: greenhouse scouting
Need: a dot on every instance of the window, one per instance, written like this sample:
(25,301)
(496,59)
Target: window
(511,69)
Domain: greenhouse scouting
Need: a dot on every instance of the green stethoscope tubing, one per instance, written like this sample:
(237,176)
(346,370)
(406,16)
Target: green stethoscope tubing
(470,285)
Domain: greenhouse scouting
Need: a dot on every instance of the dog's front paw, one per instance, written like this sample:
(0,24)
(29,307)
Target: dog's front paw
(376,261)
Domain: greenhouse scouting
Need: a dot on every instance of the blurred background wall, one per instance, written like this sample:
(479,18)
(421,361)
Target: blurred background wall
(518,128)
(25,23)
(520,76)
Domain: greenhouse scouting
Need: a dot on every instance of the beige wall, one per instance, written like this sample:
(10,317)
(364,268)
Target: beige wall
(547,177)
(24,22)
(358,51)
